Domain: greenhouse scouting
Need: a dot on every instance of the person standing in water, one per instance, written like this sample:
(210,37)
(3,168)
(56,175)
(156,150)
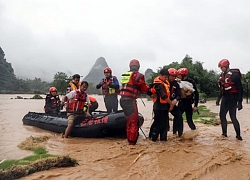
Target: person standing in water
(232,96)
(110,90)
(175,96)
(133,84)
(186,101)
(75,107)
(161,98)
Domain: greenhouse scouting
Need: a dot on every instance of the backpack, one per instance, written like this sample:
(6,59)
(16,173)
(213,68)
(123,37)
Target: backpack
(237,71)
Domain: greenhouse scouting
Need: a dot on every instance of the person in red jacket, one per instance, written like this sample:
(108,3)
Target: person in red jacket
(133,84)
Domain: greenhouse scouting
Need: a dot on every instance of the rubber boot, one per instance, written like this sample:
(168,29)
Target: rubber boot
(239,137)
(225,135)
(155,134)
(130,142)
(180,133)
(163,135)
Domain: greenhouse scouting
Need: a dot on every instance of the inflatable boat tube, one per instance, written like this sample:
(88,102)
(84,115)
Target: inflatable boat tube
(101,124)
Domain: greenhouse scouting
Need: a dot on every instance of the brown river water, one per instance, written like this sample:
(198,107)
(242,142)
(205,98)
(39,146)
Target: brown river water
(207,156)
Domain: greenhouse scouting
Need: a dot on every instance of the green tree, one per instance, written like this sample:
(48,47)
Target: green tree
(61,81)
(7,76)
(37,86)
(206,81)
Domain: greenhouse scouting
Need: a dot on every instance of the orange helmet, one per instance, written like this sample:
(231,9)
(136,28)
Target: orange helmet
(182,71)
(223,63)
(52,89)
(172,71)
(107,70)
(134,62)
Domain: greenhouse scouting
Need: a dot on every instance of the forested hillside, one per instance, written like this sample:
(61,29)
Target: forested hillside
(7,77)
(206,80)
(11,84)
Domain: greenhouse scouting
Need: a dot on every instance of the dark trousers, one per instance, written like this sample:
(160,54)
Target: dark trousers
(160,125)
(185,105)
(178,121)
(229,104)
(111,103)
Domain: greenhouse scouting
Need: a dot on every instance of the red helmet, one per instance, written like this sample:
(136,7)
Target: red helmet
(223,63)
(107,70)
(172,71)
(52,89)
(182,71)
(134,62)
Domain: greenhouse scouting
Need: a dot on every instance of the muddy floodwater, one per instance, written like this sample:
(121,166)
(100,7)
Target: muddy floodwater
(208,156)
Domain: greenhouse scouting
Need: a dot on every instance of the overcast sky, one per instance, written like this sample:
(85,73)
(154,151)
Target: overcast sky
(42,37)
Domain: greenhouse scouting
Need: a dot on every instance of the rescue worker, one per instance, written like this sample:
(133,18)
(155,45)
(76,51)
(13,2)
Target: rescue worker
(74,84)
(75,107)
(110,90)
(133,84)
(186,101)
(161,99)
(232,96)
(175,96)
(93,104)
(52,102)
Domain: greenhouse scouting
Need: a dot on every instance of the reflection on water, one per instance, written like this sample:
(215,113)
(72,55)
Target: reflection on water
(207,156)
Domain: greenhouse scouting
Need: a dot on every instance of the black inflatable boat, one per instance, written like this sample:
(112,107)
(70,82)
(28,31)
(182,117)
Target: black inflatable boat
(101,124)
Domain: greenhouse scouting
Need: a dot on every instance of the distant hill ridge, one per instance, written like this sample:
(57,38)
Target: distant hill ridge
(96,72)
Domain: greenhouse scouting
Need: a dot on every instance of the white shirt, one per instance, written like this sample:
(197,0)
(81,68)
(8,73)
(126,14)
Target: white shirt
(72,95)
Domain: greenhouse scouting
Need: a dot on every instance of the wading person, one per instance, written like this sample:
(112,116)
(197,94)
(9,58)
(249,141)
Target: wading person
(52,102)
(175,96)
(133,84)
(75,107)
(161,99)
(110,90)
(187,99)
(232,96)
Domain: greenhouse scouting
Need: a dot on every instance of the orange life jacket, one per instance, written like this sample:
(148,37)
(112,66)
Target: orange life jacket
(166,86)
(92,99)
(226,83)
(74,86)
(106,90)
(77,104)
(129,89)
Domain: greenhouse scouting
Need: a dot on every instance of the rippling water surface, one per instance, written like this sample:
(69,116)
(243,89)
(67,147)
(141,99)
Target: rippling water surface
(207,156)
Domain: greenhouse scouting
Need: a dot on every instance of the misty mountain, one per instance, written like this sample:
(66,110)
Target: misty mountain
(148,74)
(96,72)
(11,84)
